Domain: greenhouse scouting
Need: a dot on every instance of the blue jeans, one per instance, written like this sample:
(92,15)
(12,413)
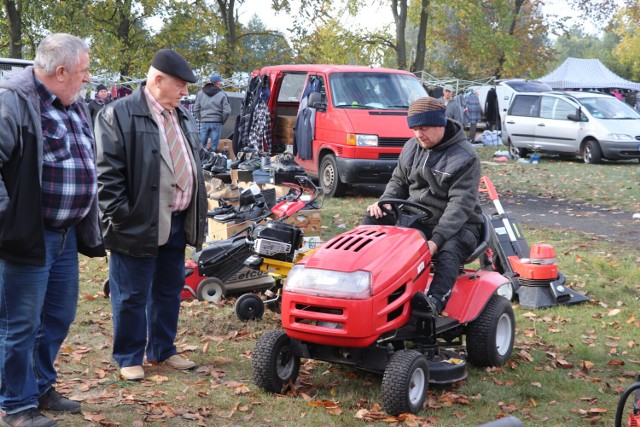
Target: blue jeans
(37,307)
(210,130)
(145,299)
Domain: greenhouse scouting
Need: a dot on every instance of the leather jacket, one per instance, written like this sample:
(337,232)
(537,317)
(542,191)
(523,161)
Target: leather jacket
(129,171)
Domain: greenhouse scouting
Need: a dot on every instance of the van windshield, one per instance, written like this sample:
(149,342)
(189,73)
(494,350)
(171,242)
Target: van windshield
(608,108)
(379,91)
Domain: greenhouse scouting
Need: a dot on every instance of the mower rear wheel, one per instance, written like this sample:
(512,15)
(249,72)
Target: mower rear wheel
(274,365)
(210,289)
(490,337)
(405,382)
(249,307)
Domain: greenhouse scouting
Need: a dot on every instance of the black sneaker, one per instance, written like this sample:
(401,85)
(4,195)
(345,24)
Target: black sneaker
(426,304)
(55,402)
(28,418)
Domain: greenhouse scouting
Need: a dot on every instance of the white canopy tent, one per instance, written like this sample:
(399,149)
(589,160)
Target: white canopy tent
(578,73)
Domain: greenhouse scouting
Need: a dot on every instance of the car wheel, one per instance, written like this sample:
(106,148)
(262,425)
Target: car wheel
(249,307)
(516,152)
(491,335)
(591,153)
(210,290)
(330,178)
(405,382)
(274,365)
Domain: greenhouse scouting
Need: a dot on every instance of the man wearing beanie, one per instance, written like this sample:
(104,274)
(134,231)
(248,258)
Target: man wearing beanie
(440,169)
(103,97)
(211,109)
(153,202)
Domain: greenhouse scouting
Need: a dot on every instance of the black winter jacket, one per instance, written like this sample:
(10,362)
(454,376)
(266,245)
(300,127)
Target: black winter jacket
(21,213)
(129,160)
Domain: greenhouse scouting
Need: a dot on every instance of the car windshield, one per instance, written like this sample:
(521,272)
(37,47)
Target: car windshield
(609,108)
(379,91)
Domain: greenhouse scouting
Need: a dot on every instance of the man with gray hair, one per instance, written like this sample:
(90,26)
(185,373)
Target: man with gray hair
(153,202)
(48,213)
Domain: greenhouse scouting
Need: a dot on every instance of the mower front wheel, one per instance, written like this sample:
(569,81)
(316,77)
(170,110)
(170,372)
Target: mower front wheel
(405,382)
(490,337)
(249,307)
(274,365)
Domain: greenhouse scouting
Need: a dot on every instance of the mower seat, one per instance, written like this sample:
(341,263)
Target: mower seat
(485,238)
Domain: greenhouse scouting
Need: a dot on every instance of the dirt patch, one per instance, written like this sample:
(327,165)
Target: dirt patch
(600,222)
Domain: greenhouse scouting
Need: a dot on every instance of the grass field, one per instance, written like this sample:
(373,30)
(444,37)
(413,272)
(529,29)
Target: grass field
(569,364)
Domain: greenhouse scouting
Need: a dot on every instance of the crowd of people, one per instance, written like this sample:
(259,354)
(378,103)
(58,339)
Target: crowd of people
(126,176)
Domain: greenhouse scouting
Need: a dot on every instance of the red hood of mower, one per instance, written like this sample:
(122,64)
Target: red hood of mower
(387,252)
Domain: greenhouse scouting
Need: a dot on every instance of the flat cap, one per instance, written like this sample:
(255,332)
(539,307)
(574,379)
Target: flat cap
(172,63)
(448,87)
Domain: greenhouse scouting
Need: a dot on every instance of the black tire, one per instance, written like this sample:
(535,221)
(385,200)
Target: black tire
(106,288)
(274,366)
(405,382)
(210,289)
(330,178)
(591,152)
(249,307)
(516,152)
(491,335)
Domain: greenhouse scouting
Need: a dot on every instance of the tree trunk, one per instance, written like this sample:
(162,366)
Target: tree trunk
(421,45)
(229,20)
(399,9)
(512,28)
(14,18)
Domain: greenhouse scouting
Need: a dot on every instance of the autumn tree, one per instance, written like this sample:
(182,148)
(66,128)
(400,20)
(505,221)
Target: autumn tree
(627,52)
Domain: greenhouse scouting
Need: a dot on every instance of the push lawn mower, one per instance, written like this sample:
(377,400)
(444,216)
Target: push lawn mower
(533,271)
(269,248)
(359,300)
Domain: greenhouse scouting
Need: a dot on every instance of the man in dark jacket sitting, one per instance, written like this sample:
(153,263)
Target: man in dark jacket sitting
(440,169)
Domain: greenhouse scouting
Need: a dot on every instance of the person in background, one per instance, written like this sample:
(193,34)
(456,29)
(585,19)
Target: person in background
(441,170)
(153,203)
(447,94)
(211,109)
(48,213)
(473,113)
(102,98)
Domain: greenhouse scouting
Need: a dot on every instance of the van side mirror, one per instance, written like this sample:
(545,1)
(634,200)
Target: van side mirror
(573,117)
(315,101)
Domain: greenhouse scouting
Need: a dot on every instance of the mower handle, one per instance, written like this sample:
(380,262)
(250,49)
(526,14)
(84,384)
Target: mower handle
(488,188)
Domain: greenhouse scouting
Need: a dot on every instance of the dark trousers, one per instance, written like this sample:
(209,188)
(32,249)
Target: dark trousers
(447,260)
(145,298)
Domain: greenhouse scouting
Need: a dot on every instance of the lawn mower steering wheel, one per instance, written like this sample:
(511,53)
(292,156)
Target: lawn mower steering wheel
(405,219)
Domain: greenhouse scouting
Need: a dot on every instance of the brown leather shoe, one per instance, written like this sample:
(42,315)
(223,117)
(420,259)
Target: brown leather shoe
(179,362)
(132,373)
(228,192)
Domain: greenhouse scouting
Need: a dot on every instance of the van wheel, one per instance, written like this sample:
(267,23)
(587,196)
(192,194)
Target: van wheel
(591,152)
(329,177)
(516,152)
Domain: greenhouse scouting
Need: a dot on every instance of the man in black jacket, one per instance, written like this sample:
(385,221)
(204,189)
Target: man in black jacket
(153,202)
(48,213)
(440,169)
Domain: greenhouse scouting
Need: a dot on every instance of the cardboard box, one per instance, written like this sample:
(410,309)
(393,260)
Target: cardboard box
(222,231)
(238,175)
(227,145)
(309,221)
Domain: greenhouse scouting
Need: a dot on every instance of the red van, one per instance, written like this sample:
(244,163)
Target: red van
(355,123)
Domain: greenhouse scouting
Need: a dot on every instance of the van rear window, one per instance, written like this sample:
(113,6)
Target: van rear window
(525,106)
(291,88)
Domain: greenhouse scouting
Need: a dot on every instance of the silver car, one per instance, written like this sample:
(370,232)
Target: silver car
(593,125)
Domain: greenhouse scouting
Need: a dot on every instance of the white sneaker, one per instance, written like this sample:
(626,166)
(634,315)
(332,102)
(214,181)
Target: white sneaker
(179,362)
(132,373)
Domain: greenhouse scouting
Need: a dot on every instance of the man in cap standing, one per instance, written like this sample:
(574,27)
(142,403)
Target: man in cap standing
(440,169)
(102,98)
(153,202)
(212,110)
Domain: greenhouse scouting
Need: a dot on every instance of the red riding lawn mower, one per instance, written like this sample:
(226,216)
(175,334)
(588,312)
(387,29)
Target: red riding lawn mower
(359,300)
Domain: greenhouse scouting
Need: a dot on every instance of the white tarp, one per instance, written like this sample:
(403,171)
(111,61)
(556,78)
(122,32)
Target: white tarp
(577,73)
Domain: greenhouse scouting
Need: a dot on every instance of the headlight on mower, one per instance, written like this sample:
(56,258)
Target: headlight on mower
(325,283)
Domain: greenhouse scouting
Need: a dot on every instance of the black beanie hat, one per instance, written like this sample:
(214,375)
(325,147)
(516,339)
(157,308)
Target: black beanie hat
(100,87)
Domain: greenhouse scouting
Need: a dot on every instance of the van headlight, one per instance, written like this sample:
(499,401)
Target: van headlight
(506,290)
(326,283)
(362,140)
(620,137)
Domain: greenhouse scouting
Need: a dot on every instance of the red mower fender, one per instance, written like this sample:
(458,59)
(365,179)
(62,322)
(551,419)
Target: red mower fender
(472,291)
